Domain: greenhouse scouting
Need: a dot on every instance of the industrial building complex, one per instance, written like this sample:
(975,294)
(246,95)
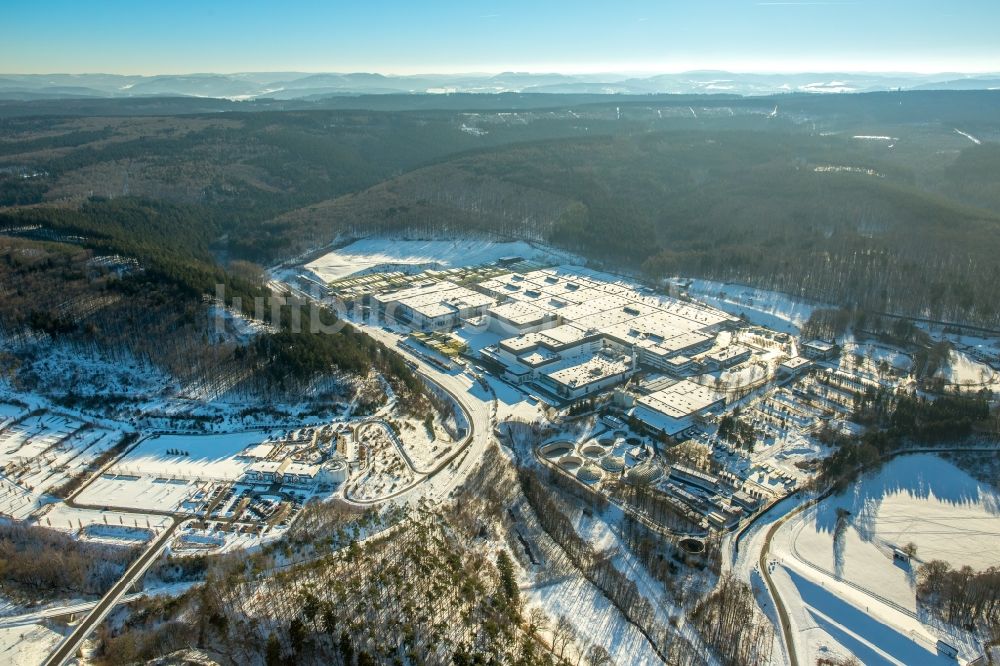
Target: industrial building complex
(568,333)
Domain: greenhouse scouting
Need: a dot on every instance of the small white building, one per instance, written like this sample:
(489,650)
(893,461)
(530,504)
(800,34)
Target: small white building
(794,366)
(726,357)
(818,350)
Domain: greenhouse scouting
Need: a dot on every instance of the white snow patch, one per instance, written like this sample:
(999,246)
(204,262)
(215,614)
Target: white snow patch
(370,253)
(772,309)
(874,137)
(847,594)
(969,136)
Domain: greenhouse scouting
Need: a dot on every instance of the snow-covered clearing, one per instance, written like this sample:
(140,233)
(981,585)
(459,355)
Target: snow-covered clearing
(200,456)
(64,369)
(8,413)
(876,353)
(27,644)
(243,328)
(138,492)
(371,253)
(41,453)
(966,371)
(918,498)
(836,574)
(34,436)
(777,311)
(593,616)
(72,519)
(829,619)
(424,452)
(164,470)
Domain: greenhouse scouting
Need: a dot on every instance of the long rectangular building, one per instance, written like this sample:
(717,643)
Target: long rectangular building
(552,315)
(432,304)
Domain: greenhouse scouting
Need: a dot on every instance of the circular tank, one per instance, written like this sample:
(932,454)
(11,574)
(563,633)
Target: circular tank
(570,462)
(589,473)
(613,464)
(555,449)
(645,473)
(692,545)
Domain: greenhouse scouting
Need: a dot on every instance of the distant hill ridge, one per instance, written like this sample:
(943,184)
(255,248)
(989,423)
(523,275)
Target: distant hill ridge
(299,85)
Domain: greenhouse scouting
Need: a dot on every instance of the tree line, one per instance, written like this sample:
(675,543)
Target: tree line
(962,597)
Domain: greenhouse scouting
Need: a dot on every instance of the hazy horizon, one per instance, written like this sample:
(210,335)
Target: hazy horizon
(439,37)
(522,71)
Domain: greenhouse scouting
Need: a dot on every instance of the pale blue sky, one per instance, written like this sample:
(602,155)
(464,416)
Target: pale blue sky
(404,37)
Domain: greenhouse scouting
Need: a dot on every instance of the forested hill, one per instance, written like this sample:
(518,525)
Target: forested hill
(862,222)
(889,201)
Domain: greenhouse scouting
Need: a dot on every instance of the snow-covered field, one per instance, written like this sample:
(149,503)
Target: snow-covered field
(830,620)
(9,412)
(593,616)
(27,644)
(41,453)
(164,470)
(777,311)
(137,492)
(34,436)
(966,371)
(72,519)
(425,453)
(921,499)
(837,580)
(877,353)
(370,253)
(203,456)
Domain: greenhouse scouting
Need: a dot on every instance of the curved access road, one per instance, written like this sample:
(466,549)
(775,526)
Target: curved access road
(779,606)
(477,413)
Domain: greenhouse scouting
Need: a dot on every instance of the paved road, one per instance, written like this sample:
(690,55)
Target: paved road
(786,625)
(477,413)
(765,549)
(68,647)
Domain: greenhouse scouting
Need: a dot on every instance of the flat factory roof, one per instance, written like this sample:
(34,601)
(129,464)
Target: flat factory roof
(593,369)
(679,400)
